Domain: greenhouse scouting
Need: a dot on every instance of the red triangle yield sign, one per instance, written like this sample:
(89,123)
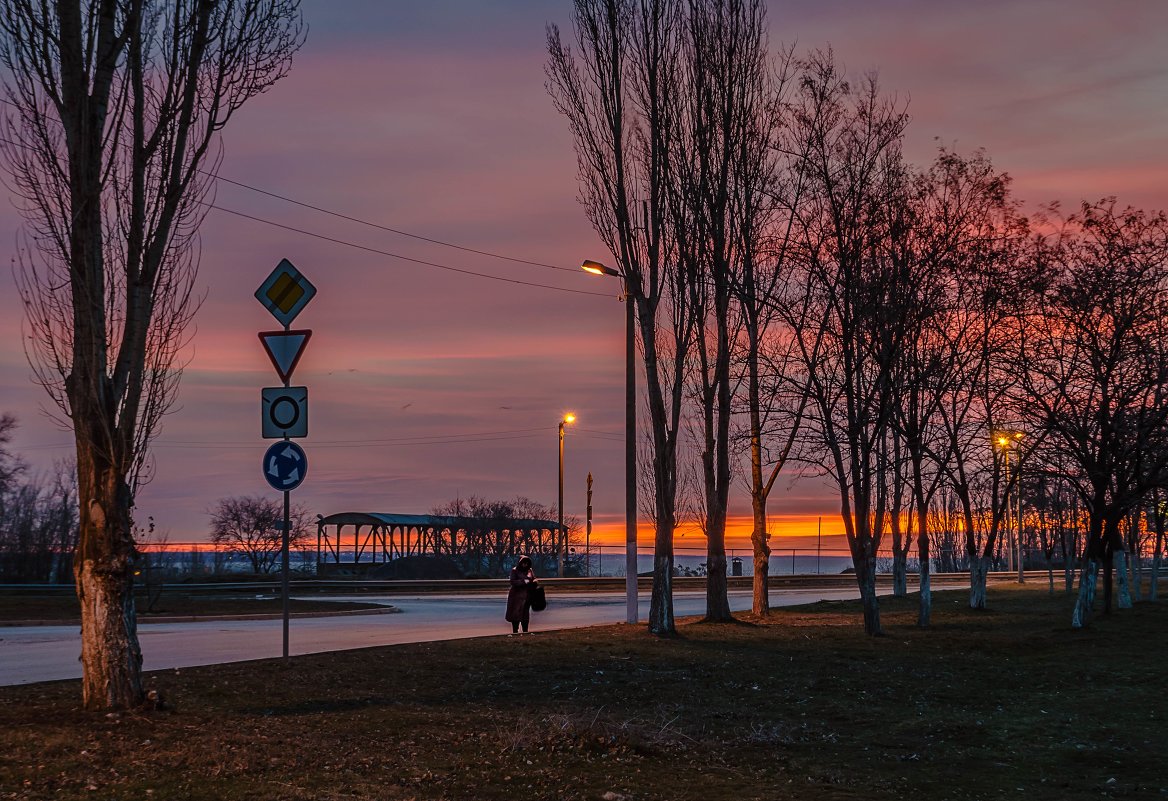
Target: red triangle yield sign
(285,348)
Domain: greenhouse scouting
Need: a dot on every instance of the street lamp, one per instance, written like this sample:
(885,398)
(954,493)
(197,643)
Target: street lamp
(561,537)
(631,611)
(1008,440)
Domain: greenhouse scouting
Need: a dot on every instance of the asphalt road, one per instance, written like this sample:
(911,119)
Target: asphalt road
(47,653)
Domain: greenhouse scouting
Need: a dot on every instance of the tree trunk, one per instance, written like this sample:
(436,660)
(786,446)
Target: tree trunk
(902,534)
(866,578)
(661,601)
(899,558)
(1131,547)
(924,614)
(717,601)
(761,601)
(979,568)
(1086,600)
(111,658)
(1153,586)
(1124,600)
(1158,518)
(1108,576)
(864,560)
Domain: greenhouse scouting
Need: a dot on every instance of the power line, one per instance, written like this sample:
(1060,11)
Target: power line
(431,439)
(380,227)
(379,252)
(358,220)
(437,439)
(368,249)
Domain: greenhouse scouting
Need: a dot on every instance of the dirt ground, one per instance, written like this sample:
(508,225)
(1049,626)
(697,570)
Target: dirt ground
(1004,703)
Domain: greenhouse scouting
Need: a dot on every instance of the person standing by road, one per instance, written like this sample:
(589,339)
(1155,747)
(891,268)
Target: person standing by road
(518,604)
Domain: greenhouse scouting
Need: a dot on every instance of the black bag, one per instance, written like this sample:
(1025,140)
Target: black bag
(536,597)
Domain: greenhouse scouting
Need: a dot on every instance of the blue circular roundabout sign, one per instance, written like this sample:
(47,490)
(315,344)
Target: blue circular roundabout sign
(285,466)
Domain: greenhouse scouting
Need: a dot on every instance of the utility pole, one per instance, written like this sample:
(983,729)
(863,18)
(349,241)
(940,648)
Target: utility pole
(818,544)
(588,531)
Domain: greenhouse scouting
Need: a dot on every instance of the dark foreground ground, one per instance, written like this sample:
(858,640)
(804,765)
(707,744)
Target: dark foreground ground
(1007,703)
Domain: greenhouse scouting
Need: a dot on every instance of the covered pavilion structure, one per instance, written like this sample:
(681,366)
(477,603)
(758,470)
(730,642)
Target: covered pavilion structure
(371,538)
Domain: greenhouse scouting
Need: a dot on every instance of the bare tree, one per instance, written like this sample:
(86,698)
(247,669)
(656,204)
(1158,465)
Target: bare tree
(729,114)
(851,135)
(618,94)
(38,516)
(984,242)
(10,465)
(493,539)
(1096,373)
(253,526)
(1156,512)
(949,232)
(113,120)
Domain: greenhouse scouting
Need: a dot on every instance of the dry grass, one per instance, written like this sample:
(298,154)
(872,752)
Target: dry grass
(1005,703)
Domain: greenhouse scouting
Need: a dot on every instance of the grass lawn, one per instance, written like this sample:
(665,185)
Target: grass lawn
(1005,703)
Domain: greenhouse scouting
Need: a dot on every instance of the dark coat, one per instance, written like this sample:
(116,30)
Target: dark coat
(518,609)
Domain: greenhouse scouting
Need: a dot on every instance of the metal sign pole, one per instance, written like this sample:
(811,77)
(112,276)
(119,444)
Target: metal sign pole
(284,565)
(284,410)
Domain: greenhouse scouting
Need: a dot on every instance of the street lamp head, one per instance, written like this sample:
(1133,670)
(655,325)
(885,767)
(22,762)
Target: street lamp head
(569,418)
(596,268)
(1003,441)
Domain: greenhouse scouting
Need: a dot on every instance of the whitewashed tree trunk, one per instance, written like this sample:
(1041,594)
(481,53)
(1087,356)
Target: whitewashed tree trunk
(900,574)
(1119,560)
(1153,585)
(1086,599)
(925,610)
(979,568)
(1137,575)
(866,575)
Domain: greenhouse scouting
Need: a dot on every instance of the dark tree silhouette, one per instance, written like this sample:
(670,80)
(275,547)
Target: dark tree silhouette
(112,122)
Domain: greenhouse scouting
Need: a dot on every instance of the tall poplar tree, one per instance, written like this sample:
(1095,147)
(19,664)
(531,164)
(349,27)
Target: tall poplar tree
(112,116)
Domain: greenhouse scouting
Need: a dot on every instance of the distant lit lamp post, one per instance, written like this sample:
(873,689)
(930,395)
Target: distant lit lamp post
(596,268)
(561,536)
(1008,440)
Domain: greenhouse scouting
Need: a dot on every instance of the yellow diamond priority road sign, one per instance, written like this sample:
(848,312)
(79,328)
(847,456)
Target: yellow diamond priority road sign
(285,293)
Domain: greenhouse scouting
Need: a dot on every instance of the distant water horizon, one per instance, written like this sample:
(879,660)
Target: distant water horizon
(612,563)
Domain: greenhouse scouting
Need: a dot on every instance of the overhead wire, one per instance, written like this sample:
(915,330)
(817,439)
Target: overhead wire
(381,227)
(380,252)
(434,439)
(368,249)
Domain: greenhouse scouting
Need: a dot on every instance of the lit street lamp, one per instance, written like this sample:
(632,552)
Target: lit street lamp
(1008,440)
(596,268)
(561,536)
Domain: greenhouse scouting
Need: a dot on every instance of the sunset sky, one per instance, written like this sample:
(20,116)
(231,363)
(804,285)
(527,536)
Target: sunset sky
(432,118)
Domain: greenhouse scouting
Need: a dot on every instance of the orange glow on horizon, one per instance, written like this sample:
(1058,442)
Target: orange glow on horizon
(786,532)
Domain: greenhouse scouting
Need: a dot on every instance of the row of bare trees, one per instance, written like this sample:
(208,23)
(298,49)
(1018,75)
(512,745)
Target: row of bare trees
(808,298)
(38,517)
